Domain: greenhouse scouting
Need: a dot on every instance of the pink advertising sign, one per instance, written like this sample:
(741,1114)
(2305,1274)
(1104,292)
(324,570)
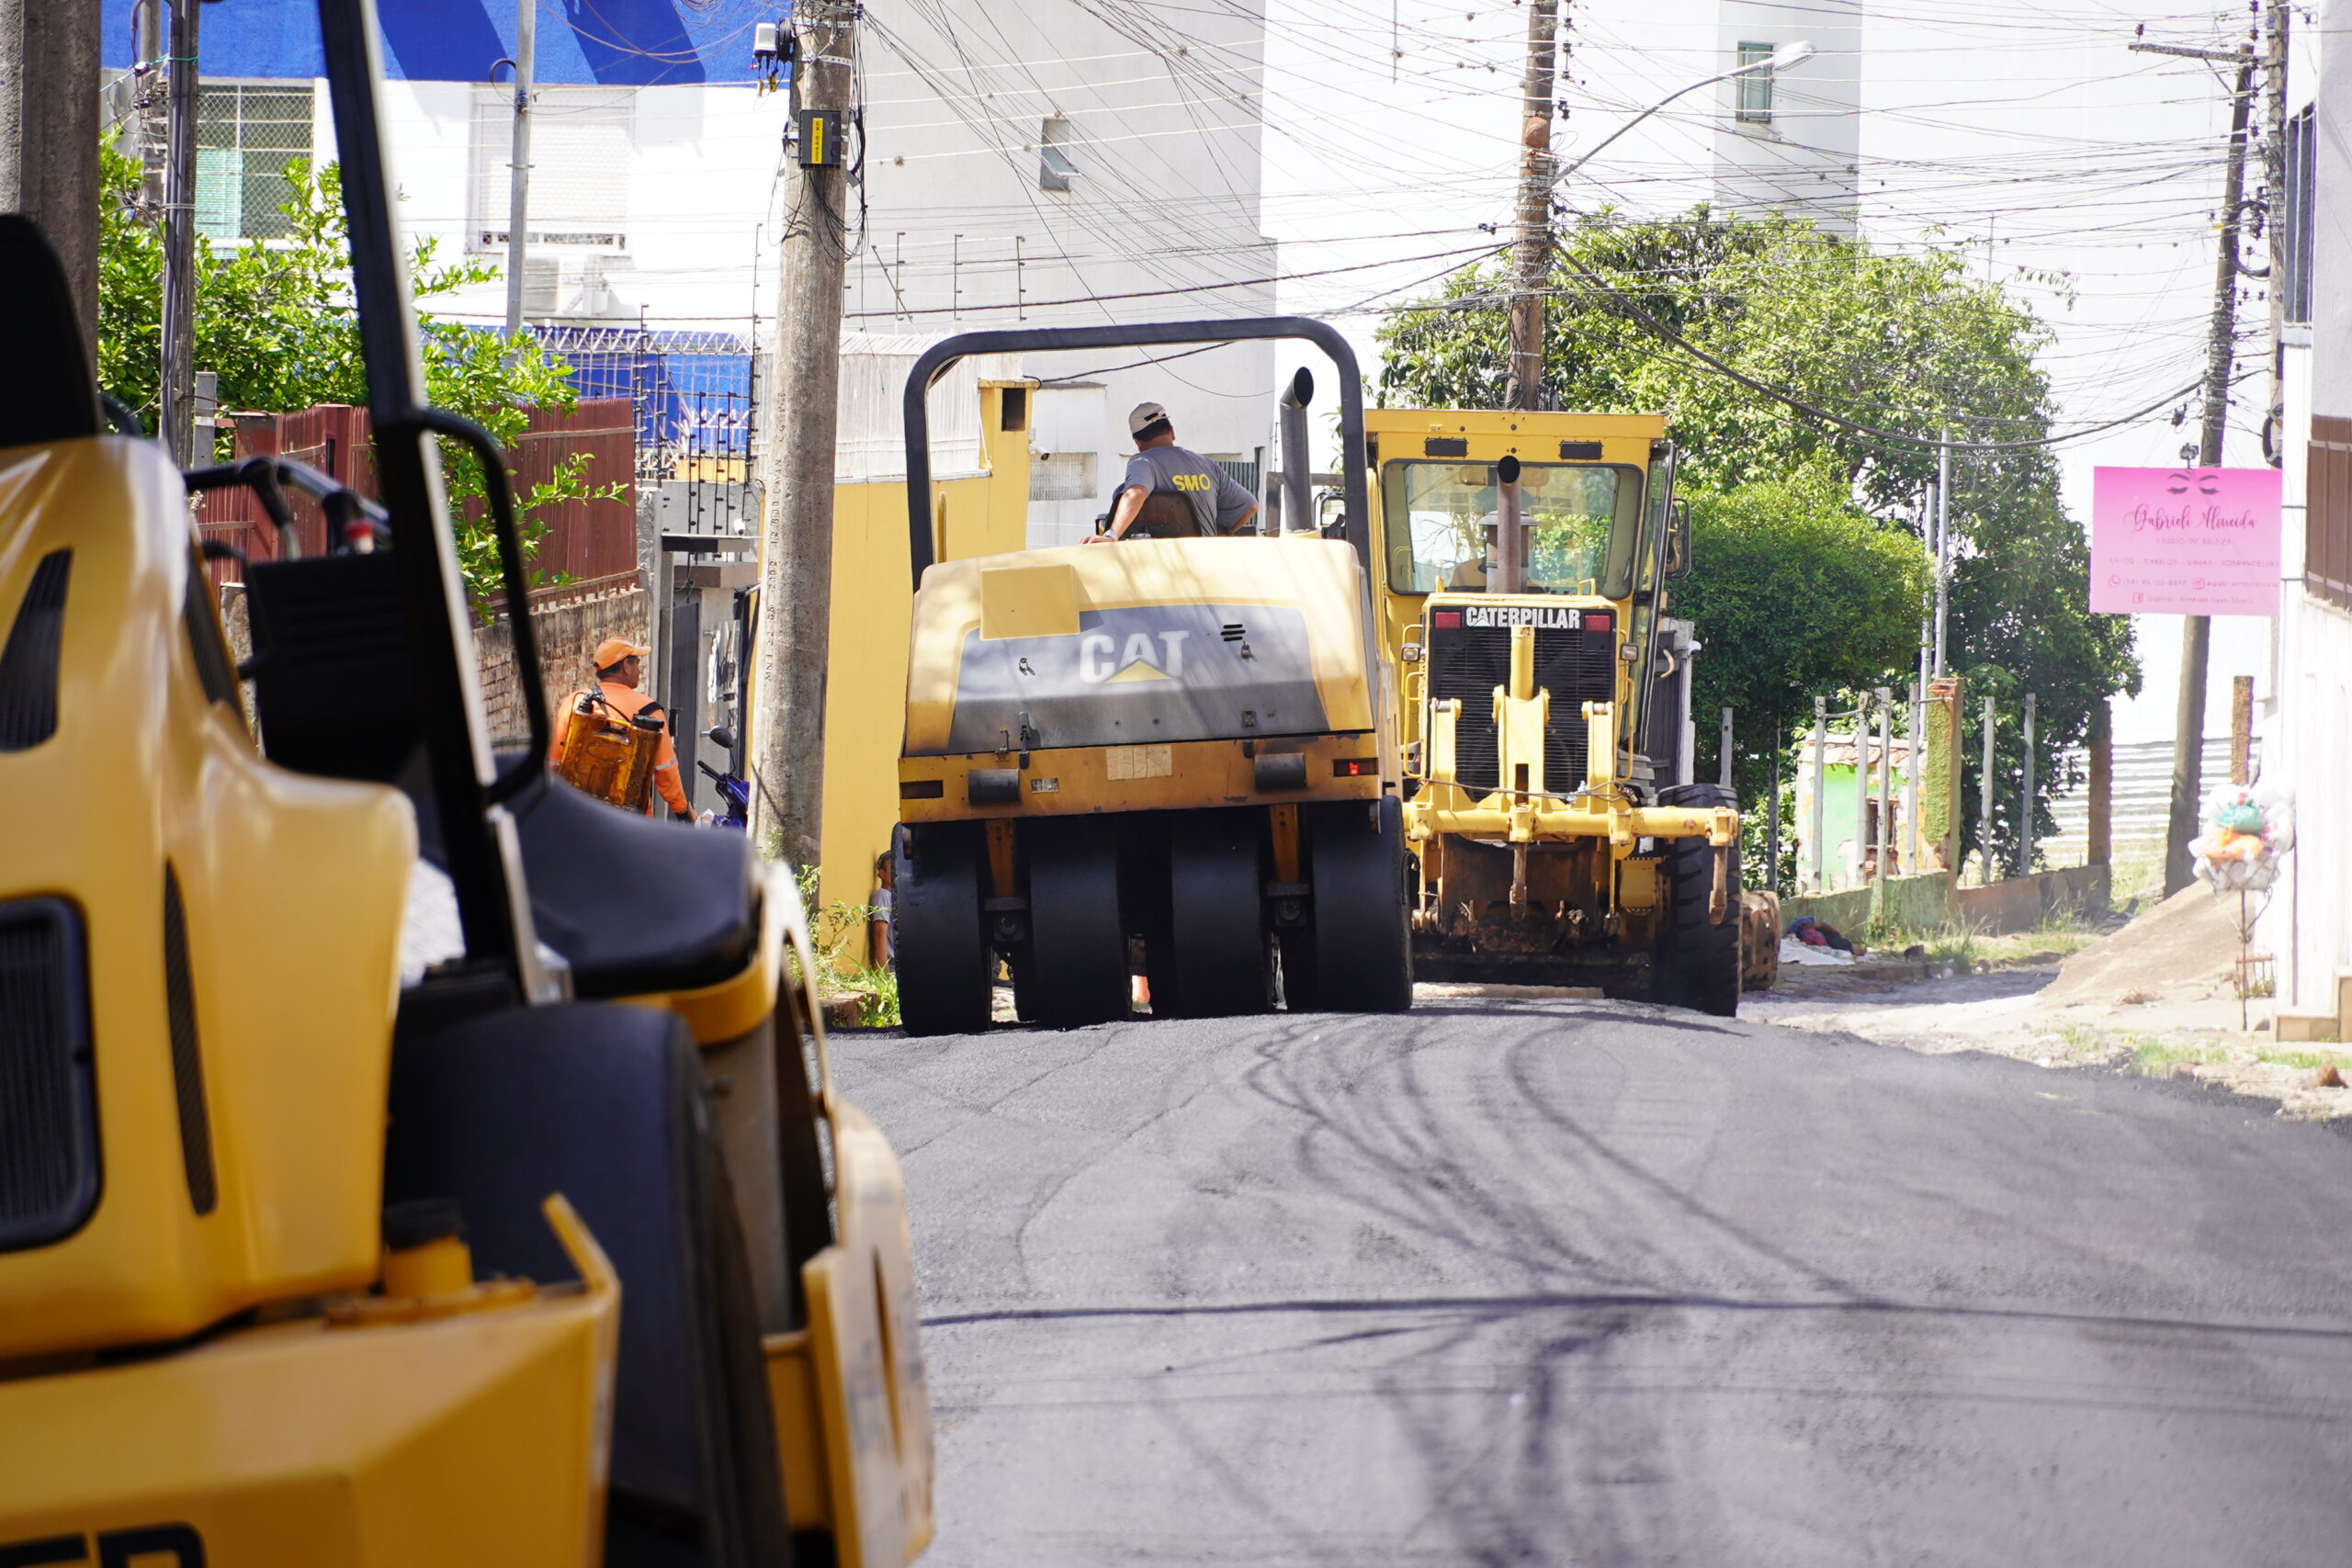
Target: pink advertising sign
(2185,541)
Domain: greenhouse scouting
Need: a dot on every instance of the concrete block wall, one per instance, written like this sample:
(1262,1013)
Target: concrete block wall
(571,620)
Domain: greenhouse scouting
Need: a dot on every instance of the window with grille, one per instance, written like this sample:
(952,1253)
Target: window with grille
(244,138)
(1062,475)
(1754,104)
(2297,220)
(581,142)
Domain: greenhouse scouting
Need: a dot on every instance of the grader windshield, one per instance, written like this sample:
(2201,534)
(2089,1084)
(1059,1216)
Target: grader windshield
(1583,524)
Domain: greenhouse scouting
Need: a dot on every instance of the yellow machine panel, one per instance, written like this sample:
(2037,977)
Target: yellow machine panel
(456,1440)
(253,1170)
(1170,621)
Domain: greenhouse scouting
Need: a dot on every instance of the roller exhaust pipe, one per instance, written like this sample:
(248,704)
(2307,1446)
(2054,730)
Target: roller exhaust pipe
(1297,510)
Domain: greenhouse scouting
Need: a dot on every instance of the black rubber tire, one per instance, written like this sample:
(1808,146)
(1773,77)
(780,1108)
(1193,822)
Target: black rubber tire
(937,944)
(1217,965)
(1356,955)
(1698,963)
(1076,973)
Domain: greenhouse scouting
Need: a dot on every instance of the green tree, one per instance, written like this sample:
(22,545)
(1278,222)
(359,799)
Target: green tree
(1897,341)
(275,323)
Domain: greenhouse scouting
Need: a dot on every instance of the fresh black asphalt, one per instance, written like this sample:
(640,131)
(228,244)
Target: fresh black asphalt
(1583,1282)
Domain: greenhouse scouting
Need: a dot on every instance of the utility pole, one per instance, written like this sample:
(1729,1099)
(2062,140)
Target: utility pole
(519,189)
(797,539)
(1985,874)
(1531,264)
(176,391)
(2275,20)
(49,137)
(2025,807)
(2196,632)
(1943,548)
(1820,792)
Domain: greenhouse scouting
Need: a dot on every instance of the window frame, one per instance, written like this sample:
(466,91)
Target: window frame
(211,91)
(1752,94)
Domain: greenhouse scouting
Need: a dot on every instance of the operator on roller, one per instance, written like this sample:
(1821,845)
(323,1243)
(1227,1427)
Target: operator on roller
(620,665)
(1171,494)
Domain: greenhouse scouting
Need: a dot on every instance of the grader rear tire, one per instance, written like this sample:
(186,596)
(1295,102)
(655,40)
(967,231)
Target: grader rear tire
(1698,960)
(1357,954)
(937,944)
(1076,970)
(1216,964)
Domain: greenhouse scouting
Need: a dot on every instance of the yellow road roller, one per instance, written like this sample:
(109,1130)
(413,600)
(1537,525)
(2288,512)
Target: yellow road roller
(1172,758)
(404,1159)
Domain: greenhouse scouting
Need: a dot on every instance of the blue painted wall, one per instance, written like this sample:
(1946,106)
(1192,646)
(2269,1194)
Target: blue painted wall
(580,42)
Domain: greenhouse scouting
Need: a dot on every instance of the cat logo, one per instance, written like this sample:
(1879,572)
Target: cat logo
(114,1549)
(1139,660)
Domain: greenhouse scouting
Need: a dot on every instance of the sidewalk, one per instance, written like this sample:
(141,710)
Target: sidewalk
(2155,999)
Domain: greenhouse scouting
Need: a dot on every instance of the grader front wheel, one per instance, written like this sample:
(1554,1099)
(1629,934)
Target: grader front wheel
(1698,960)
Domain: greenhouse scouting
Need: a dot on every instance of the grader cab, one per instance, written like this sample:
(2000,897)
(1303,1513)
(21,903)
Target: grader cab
(1558,835)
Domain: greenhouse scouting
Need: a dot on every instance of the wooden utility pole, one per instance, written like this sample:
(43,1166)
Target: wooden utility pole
(787,757)
(2242,729)
(2196,632)
(49,137)
(1531,264)
(176,391)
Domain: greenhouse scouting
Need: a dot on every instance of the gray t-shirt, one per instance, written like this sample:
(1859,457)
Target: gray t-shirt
(1217,502)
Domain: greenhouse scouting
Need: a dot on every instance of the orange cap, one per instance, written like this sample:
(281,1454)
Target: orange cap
(613,649)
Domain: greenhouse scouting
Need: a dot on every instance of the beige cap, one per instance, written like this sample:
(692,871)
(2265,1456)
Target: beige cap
(1144,415)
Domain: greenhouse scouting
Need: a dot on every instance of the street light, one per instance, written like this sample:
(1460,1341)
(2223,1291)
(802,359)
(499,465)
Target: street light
(1782,59)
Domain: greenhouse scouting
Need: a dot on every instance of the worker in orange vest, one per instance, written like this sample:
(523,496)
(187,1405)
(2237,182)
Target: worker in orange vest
(620,665)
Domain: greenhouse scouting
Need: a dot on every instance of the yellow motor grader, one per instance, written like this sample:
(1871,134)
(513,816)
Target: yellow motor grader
(1171,757)
(404,1160)
(1559,837)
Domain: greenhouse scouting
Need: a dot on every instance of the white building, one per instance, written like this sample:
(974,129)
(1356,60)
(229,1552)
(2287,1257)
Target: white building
(1789,140)
(1024,162)
(2307,725)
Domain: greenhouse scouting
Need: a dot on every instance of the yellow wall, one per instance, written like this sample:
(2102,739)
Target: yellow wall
(865,690)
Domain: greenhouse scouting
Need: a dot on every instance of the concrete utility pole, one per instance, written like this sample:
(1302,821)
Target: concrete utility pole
(2195,633)
(1724,752)
(1820,791)
(2100,846)
(49,137)
(2025,807)
(519,189)
(1532,255)
(176,391)
(1984,804)
(1943,549)
(797,543)
(2275,20)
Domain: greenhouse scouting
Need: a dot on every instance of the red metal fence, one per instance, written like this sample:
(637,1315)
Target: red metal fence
(583,538)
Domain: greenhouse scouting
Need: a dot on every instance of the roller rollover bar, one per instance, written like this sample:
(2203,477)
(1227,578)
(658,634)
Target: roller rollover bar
(936,359)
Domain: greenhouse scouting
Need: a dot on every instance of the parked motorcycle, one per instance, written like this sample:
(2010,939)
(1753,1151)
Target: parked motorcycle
(732,790)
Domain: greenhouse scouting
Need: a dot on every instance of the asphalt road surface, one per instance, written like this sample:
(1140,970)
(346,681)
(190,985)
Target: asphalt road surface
(1582,1282)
